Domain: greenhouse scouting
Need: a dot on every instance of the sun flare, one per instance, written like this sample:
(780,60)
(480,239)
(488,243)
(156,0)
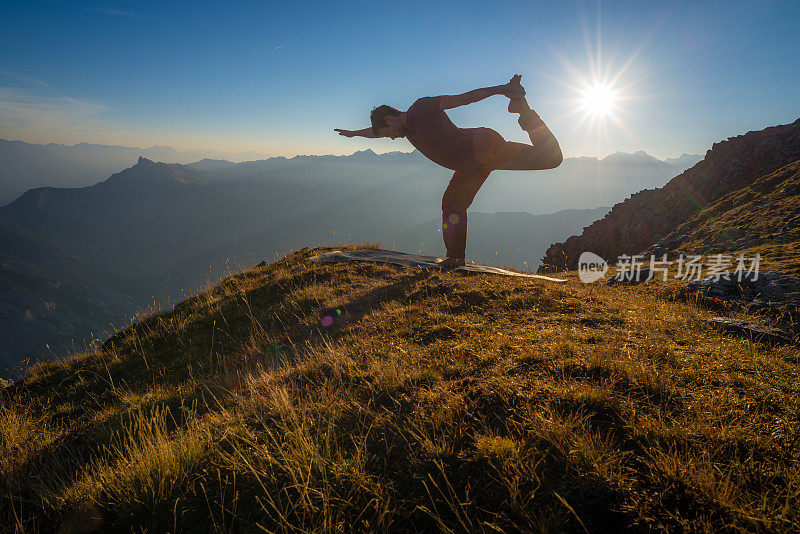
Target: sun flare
(603,93)
(598,100)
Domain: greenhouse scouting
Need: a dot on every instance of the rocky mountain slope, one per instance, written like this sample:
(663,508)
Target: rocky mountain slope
(651,215)
(298,396)
(760,218)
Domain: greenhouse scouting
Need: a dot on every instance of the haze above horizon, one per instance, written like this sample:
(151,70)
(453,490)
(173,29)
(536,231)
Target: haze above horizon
(674,77)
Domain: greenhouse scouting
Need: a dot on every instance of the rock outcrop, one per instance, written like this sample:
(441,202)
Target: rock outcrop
(771,294)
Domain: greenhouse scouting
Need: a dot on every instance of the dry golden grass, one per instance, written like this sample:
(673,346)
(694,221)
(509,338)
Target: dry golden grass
(435,401)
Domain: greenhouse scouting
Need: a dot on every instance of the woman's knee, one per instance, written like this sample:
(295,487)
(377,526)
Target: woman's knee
(462,190)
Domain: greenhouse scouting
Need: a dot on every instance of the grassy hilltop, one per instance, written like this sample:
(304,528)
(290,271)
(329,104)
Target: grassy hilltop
(432,401)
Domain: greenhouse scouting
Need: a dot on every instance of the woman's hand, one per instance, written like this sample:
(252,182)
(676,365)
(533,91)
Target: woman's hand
(366,132)
(514,89)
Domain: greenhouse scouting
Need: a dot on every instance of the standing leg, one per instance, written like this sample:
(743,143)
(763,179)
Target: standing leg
(456,199)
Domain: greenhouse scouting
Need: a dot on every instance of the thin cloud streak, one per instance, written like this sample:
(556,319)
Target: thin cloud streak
(33,107)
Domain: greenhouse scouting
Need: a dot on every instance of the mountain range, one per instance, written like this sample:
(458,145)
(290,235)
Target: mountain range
(78,262)
(26,166)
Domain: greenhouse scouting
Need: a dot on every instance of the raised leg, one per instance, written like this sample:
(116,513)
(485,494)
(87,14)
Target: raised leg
(457,198)
(542,153)
(512,156)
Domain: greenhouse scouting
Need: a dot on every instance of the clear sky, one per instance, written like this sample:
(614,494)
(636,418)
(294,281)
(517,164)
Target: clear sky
(277,77)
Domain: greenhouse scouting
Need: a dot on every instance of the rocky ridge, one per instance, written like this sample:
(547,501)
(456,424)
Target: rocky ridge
(649,215)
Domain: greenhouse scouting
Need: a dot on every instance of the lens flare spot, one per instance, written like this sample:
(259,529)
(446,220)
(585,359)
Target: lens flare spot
(453,218)
(327,321)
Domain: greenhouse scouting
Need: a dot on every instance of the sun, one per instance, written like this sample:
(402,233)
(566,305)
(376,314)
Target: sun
(598,100)
(603,94)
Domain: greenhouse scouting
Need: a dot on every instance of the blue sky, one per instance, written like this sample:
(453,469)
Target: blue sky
(276,78)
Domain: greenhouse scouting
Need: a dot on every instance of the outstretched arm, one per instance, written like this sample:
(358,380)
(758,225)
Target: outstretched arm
(366,132)
(476,95)
(470,97)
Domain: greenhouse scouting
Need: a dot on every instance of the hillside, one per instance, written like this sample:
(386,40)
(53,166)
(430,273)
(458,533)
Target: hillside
(761,218)
(77,262)
(50,299)
(648,216)
(433,401)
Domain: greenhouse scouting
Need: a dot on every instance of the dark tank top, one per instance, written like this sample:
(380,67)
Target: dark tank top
(432,132)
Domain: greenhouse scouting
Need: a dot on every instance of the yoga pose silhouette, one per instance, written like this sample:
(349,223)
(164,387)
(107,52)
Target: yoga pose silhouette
(473,153)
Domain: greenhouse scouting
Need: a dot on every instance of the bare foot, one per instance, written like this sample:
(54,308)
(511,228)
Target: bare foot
(514,87)
(452,263)
(519,105)
(516,94)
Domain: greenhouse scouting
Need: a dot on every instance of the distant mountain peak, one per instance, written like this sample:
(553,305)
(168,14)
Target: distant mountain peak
(147,173)
(366,153)
(639,155)
(684,161)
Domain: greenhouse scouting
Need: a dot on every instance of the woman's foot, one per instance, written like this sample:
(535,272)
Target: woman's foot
(519,105)
(514,87)
(452,263)
(516,94)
